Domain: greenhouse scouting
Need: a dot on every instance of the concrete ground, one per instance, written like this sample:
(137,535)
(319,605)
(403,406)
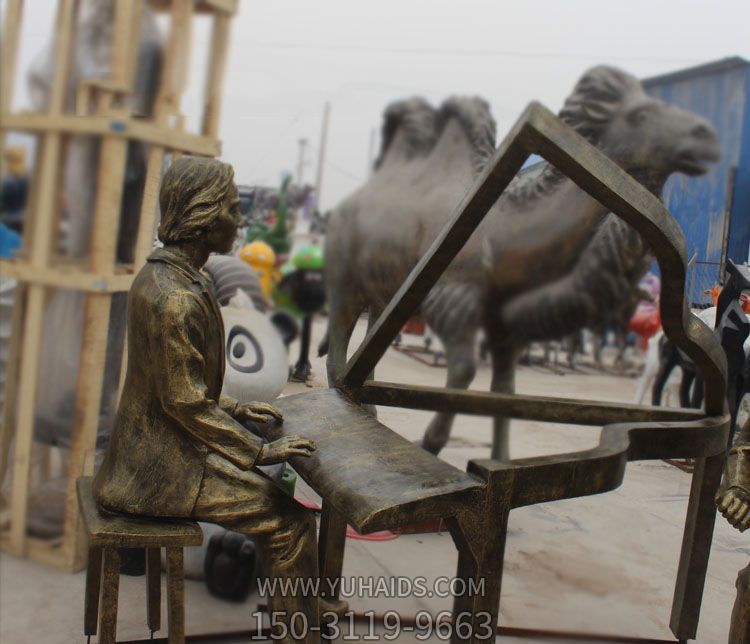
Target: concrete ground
(603,564)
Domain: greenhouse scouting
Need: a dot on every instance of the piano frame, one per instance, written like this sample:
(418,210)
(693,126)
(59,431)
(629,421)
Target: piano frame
(476,504)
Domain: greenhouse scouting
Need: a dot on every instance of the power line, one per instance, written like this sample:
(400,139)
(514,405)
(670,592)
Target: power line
(338,168)
(277,140)
(464,52)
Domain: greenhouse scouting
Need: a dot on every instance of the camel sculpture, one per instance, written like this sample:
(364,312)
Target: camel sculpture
(546,261)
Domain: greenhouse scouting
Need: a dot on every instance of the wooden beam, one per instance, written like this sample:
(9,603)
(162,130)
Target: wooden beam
(63,277)
(110,182)
(10,393)
(215,75)
(31,349)
(168,100)
(42,234)
(9,57)
(201,6)
(540,408)
(146,224)
(120,126)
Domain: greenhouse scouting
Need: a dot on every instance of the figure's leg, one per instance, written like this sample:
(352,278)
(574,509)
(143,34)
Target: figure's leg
(688,376)
(283,530)
(303,368)
(649,370)
(696,400)
(504,358)
(739,632)
(461,370)
(667,362)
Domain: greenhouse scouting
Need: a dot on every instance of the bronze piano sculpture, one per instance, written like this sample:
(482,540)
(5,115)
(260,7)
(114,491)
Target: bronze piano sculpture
(373,479)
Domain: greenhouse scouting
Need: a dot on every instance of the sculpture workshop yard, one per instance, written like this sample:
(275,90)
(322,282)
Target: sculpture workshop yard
(597,564)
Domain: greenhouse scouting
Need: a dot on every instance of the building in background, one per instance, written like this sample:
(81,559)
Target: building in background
(714,209)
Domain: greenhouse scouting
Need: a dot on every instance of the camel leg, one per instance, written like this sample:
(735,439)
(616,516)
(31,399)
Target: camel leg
(341,322)
(372,317)
(504,360)
(461,370)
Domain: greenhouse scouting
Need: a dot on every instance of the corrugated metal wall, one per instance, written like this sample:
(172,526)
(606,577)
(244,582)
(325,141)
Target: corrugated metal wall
(713,210)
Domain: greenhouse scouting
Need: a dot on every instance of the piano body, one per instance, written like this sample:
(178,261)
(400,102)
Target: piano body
(373,479)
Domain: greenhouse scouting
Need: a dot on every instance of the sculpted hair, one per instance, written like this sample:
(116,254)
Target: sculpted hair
(190,198)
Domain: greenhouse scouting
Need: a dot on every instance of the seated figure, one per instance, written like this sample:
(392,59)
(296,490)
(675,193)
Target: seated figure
(179,448)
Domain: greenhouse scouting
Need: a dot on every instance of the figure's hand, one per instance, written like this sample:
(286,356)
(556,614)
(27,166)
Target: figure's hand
(257,412)
(282,450)
(734,505)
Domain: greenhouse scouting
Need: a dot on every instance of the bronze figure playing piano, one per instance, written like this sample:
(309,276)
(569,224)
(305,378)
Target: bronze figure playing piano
(179,448)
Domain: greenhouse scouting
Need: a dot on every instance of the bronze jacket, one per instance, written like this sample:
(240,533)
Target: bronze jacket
(170,415)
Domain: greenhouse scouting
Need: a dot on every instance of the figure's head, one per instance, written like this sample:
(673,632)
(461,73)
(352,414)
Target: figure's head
(199,201)
(610,108)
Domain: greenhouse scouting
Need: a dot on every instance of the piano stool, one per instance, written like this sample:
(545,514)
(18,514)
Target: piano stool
(107,533)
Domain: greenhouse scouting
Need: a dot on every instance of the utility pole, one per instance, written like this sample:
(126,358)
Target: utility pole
(301,160)
(322,154)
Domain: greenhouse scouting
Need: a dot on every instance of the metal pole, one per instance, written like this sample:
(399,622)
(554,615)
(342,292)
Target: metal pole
(301,160)
(322,155)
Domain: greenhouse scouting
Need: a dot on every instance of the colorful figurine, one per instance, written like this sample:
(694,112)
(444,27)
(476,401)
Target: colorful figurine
(261,258)
(302,291)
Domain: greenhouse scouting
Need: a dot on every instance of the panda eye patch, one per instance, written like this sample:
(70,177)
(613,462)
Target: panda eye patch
(244,353)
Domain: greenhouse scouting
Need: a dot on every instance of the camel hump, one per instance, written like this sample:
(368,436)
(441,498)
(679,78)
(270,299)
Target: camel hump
(474,115)
(416,120)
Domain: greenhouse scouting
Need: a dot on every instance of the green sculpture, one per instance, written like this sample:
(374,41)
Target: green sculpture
(277,237)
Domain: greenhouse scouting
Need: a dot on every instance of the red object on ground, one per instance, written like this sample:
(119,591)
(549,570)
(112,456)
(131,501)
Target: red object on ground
(414,326)
(646,321)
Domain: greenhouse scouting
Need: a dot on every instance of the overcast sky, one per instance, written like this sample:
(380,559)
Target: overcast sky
(288,57)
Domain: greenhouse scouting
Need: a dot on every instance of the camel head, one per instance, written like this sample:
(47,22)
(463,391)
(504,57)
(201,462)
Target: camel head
(645,136)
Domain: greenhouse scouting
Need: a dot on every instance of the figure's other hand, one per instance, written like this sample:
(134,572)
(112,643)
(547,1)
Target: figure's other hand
(257,412)
(282,450)
(734,505)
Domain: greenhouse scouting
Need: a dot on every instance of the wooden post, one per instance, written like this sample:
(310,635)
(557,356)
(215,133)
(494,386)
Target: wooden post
(215,75)
(41,241)
(8,58)
(110,181)
(36,268)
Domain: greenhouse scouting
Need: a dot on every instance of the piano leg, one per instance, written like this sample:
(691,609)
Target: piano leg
(481,548)
(331,542)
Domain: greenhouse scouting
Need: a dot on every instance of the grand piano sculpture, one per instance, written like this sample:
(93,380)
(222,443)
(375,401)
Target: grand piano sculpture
(374,479)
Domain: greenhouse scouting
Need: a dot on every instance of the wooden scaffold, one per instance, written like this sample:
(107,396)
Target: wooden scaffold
(101,111)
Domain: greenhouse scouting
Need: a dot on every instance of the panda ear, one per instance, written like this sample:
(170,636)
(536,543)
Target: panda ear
(286,325)
(241,300)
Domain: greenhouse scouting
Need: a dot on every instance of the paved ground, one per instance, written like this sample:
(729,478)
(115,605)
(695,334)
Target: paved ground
(602,564)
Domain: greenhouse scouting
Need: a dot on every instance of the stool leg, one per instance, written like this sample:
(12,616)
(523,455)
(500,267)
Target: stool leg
(153,583)
(110,587)
(93,583)
(175,596)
